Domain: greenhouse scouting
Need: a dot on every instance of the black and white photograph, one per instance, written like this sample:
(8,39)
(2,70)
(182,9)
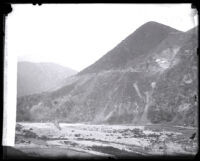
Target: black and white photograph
(101,80)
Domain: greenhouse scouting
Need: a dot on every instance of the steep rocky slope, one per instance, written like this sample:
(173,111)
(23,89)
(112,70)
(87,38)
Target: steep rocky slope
(39,77)
(150,77)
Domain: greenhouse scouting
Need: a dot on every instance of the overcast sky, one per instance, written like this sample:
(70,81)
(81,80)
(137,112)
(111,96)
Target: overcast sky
(76,35)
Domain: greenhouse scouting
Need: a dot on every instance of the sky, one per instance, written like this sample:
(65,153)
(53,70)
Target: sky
(77,35)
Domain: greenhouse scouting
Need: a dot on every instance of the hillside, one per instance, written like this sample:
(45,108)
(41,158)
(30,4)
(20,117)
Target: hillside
(134,47)
(39,77)
(148,78)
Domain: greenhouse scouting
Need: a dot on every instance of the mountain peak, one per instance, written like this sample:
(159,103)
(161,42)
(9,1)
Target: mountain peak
(140,42)
(154,23)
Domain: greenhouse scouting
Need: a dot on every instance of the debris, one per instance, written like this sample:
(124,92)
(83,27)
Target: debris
(193,136)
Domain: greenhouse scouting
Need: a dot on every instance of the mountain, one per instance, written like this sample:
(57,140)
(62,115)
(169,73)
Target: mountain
(148,78)
(39,77)
(135,46)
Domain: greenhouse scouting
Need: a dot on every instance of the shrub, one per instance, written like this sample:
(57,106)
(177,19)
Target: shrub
(77,135)
(18,127)
(29,134)
(44,137)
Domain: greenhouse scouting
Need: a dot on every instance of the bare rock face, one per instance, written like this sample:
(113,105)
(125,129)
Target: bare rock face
(175,97)
(149,78)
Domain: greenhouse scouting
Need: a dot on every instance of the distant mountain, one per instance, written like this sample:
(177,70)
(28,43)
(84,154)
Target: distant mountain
(40,77)
(148,78)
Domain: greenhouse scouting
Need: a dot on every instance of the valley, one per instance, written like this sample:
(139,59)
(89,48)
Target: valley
(139,99)
(115,141)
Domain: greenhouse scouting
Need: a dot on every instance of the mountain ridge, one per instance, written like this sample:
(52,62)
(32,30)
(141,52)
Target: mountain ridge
(154,87)
(40,77)
(131,51)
